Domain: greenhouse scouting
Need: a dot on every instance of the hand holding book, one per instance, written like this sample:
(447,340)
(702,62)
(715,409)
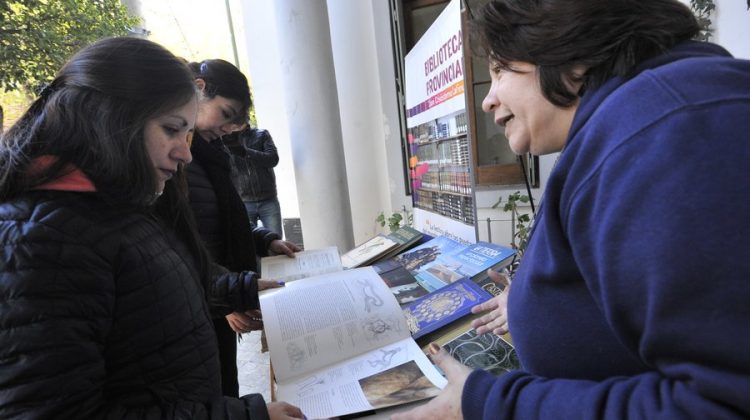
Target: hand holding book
(447,405)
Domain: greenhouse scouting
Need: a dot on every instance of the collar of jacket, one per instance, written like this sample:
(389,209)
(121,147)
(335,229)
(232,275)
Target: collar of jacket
(208,154)
(591,100)
(72,178)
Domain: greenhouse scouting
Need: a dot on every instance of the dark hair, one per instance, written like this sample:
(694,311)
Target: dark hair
(222,78)
(607,37)
(93,114)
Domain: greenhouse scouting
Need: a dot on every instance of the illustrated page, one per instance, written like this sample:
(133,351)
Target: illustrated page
(395,374)
(318,321)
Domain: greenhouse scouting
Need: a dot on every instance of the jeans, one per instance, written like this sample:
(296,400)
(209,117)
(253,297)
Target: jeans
(268,211)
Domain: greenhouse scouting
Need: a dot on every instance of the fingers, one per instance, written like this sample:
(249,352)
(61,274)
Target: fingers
(269,284)
(498,277)
(289,249)
(453,368)
(242,323)
(484,306)
(283,410)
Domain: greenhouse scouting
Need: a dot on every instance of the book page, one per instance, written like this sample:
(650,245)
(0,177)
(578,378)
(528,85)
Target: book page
(395,374)
(321,320)
(367,251)
(304,264)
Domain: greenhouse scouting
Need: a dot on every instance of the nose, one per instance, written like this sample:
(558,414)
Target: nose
(490,102)
(181,153)
(229,128)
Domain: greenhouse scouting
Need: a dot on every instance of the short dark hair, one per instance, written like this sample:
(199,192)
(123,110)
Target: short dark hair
(607,37)
(93,114)
(222,78)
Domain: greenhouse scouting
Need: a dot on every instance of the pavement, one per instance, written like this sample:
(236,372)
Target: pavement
(253,366)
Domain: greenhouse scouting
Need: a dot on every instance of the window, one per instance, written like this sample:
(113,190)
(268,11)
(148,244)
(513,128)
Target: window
(493,161)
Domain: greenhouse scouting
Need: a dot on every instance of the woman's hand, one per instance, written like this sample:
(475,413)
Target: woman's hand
(283,411)
(287,248)
(245,322)
(496,321)
(269,284)
(447,405)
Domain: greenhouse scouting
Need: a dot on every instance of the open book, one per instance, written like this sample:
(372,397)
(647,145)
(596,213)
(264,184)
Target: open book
(304,264)
(339,344)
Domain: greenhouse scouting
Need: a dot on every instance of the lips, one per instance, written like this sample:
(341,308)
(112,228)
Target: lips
(503,121)
(168,174)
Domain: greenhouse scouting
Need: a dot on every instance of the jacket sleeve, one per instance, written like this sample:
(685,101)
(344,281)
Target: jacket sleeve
(266,155)
(263,238)
(233,292)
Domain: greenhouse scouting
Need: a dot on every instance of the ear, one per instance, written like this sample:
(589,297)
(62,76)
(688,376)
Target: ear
(578,78)
(201,84)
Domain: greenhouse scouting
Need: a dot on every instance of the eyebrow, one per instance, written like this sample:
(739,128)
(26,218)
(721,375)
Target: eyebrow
(183,121)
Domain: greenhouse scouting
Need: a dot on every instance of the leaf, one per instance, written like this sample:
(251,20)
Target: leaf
(37,37)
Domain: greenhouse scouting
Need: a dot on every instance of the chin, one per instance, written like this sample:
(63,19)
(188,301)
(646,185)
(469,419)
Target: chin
(517,148)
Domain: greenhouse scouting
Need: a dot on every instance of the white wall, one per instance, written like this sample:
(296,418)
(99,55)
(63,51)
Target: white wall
(265,68)
(732,27)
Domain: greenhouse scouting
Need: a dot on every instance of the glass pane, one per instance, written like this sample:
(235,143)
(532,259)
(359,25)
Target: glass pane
(420,20)
(492,146)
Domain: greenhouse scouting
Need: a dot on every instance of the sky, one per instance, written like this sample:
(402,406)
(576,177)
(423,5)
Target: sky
(194,29)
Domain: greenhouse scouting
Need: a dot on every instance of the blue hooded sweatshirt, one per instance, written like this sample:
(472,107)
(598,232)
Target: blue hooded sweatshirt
(633,296)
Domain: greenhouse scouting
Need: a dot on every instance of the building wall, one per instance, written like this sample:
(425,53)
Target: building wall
(361,37)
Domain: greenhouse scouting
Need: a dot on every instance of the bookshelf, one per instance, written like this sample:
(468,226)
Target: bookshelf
(441,167)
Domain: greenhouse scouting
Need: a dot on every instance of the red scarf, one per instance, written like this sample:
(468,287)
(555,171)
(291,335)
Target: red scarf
(72,178)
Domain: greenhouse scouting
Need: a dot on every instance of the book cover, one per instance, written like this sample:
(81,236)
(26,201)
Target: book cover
(415,259)
(443,306)
(368,251)
(495,287)
(488,351)
(470,261)
(403,285)
(406,237)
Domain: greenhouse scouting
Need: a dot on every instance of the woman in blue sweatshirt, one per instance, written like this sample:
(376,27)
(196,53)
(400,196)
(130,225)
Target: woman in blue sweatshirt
(632,298)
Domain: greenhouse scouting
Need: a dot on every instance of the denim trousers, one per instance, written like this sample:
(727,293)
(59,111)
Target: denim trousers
(268,211)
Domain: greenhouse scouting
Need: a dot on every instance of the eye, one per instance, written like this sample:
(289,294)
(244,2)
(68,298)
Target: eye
(226,114)
(170,131)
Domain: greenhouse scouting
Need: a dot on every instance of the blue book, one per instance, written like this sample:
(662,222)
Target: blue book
(470,261)
(417,258)
(441,307)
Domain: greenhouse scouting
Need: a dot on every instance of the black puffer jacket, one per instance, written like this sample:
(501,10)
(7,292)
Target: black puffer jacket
(102,315)
(222,220)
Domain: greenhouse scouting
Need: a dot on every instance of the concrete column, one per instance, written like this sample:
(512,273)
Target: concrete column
(308,83)
(362,119)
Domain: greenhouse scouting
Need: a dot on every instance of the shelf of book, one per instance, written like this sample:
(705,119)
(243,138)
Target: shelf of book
(454,205)
(441,174)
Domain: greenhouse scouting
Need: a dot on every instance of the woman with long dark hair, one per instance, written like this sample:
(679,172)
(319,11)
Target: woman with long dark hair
(103,277)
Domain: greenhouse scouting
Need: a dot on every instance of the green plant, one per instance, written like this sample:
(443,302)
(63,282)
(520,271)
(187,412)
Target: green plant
(702,10)
(395,220)
(521,222)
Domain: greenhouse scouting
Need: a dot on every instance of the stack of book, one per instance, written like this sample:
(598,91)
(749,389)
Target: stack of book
(362,337)
(381,247)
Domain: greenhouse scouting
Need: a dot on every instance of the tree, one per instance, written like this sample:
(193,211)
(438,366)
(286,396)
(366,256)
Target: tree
(38,36)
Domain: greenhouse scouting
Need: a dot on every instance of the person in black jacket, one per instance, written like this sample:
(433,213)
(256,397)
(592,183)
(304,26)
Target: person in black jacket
(233,242)
(103,277)
(254,155)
